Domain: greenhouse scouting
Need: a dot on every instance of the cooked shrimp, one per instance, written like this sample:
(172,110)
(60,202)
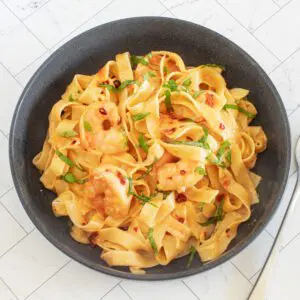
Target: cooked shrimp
(107,191)
(107,134)
(178,176)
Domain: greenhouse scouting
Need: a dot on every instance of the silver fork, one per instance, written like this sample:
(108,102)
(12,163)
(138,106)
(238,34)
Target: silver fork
(259,291)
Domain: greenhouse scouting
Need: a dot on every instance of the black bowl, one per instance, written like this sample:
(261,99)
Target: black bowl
(89,51)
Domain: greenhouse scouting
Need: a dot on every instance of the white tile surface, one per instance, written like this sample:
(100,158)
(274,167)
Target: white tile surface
(274,224)
(54,22)
(213,16)
(281,32)
(250,13)
(251,259)
(12,203)
(285,281)
(116,294)
(224,282)
(57,18)
(142,290)
(11,231)
(294,120)
(5,293)
(24,76)
(10,87)
(30,263)
(72,276)
(24,8)
(286,78)
(6,179)
(18,47)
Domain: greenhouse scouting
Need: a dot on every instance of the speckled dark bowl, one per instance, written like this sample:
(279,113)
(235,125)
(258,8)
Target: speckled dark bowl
(86,54)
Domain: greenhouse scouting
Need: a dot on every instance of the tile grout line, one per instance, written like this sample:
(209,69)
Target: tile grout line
(46,48)
(17,243)
(9,288)
(6,192)
(64,265)
(124,290)
(184,283)
(241,273)
(49,50)
(110,290)
(256,273)
(289,242)
(167,9)
(5,208)
(289,117)
(265,21)
(276,3)
(283,61)
(36,10)
(263,45)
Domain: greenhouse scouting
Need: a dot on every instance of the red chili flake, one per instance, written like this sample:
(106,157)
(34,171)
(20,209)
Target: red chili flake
(209,100)
(121,178)
(171,130)
(219,197)
(92,238)
(117,83)
(226,182)
(135,229)
(180,198)
(106,125)
(222,126)
(182,172)
(103,111)
(227,231)
(180,219)
(170,178)
(189,138)
(203,86)
(168,233)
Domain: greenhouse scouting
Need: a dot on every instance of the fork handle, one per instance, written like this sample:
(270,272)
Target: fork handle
(259,291)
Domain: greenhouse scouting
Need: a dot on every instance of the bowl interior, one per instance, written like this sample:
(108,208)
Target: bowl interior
(86,54)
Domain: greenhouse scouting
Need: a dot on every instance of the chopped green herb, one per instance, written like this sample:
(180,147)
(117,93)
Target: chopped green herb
(192,143)
(68,133)
(70,178)
(144,199)
(135,60)
(149,55)
(149,74)
(125,83)
(165,69)
(196,94)
(187,82)
(165,193)
(171,84)
(140,116)
(219,215)
(65,159)
(167,101)
(87,126)
(152,241)
(200,170)
(110,87)
(129,185)
(214,66)
(205,135)
(142,143)
(201,205)
(149,169)
(71,99)
(223,152)
(192,255)
(240,109)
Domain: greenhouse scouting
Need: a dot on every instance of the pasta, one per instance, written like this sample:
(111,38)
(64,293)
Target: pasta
(151,160)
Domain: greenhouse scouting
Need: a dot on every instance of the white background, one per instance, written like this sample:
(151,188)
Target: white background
(30,267)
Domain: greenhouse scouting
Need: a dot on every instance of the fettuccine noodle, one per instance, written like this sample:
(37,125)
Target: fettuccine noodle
(151,160)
